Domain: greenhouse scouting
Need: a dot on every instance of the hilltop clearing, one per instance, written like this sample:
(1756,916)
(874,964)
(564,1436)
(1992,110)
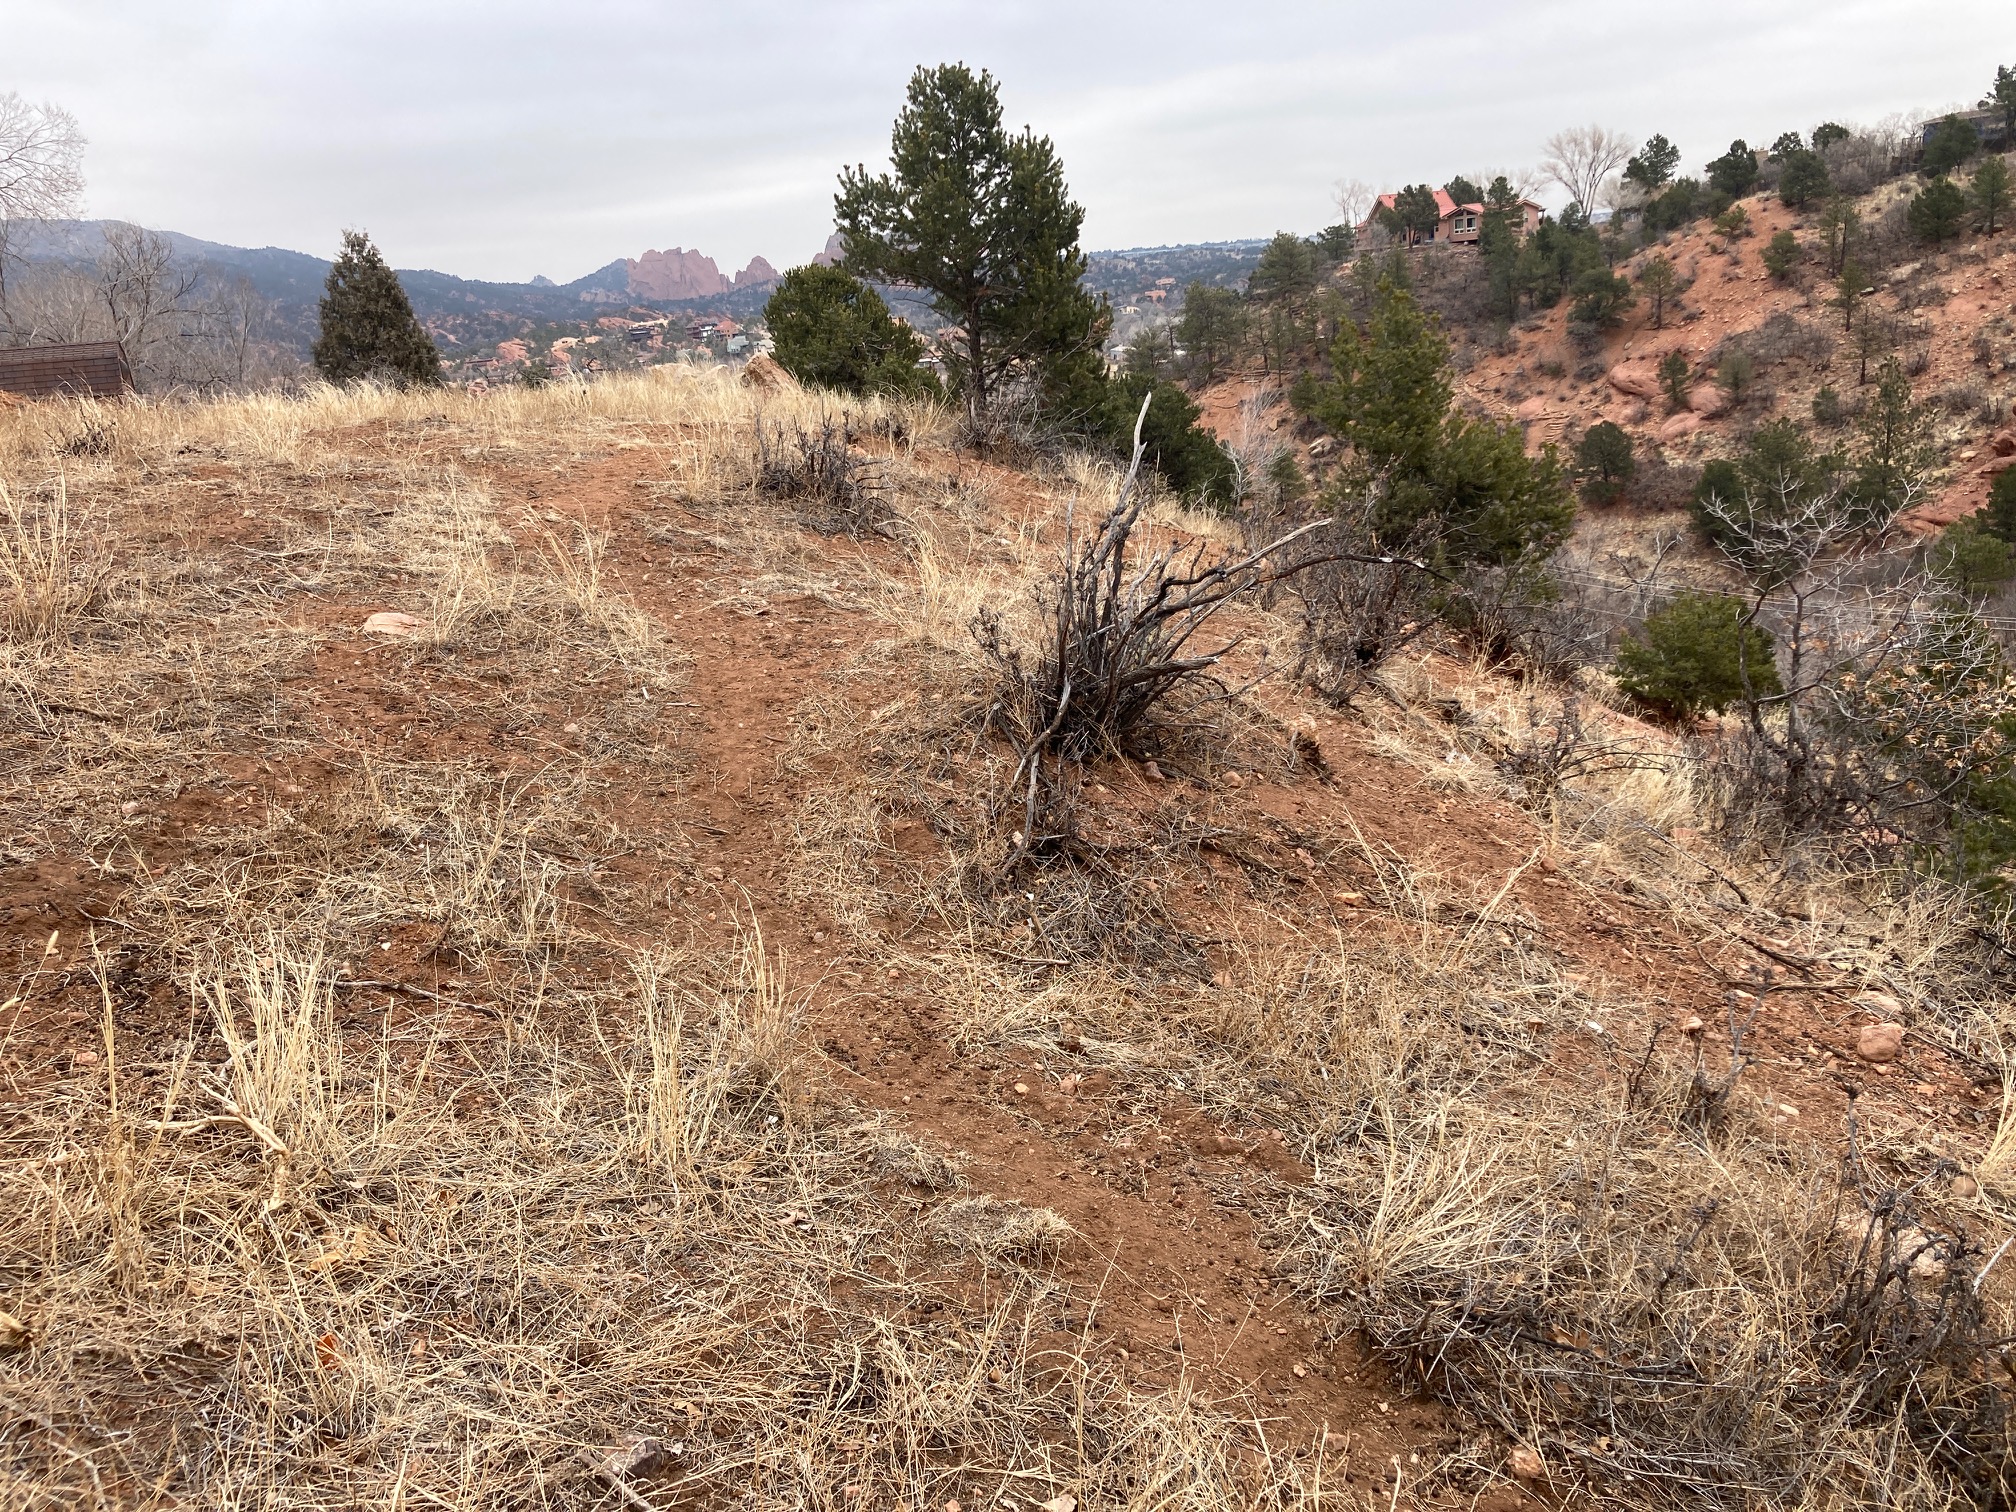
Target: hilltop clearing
(536,979)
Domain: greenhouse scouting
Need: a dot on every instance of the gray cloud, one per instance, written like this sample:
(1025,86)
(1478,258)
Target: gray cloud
(506,138)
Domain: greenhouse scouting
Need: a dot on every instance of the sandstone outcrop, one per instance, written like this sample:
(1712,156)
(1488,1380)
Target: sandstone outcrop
(1639,379)
(676,274)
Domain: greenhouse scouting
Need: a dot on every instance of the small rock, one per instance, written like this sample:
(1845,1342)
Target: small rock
(1879,1043)
(1152,772)
(767,375)
(1692,1024)
(639,1456)
(395,624)
(570,728)
(86,1057)
(13,1332)
(1678,427)
(129,808)
(1021,1089)
(1064,1503)
(818,937)
(1232,780)
(1301,1372)
(1526,1464)
(1350,899)
(1966,1188)
(1069,1085)
(715,874)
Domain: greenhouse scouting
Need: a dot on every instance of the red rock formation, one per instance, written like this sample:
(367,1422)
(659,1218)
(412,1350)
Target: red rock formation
(677,274)
(758,273)
(833,252)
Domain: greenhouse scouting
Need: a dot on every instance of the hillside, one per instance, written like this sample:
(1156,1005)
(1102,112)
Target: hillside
(528,986)
(1954,312)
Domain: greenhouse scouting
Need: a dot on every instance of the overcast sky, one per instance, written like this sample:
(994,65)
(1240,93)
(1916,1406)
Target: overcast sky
(502,138)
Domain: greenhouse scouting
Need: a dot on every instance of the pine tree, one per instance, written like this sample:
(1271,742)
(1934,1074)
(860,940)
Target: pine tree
(1897,453)
(1464,484)
(1659,278)
(1212,326)
(1949,145)
(1937,211)
(983,221)
(1802,179)
(1652,169)
(1605,462)
(1735,172)
(833,331)
(369,330)
(1990,193)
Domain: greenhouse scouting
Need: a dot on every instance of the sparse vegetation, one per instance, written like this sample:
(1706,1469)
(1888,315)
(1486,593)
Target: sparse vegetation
(660,939)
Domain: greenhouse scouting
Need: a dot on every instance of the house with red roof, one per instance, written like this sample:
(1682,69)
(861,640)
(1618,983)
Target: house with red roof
(1460,225)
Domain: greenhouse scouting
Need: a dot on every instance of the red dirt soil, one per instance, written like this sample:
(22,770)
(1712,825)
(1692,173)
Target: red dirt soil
(1170,1272)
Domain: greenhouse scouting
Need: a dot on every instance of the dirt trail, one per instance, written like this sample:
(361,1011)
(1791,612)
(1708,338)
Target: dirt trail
(1178,1277)
(1167,1283)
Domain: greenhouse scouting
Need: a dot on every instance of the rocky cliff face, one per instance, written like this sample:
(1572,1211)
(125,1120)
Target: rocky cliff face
(676,274)
(679,274)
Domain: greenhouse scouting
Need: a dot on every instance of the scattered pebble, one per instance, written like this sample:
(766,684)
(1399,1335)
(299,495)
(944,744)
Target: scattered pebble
(1526,1464)
(1151,771)
(570,728)
(715,874)
(1879,1043)
(392,623)
(86,1057)
(1021,1089)
(1966,1188)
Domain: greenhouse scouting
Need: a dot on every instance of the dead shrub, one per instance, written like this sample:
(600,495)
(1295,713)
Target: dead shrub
(837,490)
(1116,671)
(1358,611)
(1554,752)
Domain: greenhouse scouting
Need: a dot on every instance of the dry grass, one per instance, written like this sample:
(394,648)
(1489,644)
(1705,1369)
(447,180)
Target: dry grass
(1609,1252)
(298,1266)
(300,1238)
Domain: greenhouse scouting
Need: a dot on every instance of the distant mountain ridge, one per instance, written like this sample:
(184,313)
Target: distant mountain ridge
(293,281)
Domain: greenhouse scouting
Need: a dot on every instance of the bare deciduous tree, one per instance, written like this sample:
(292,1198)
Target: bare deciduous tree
(1582,157)
(179,329)
(1354,199)
(41,166)
(147,298)
(1891,702)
